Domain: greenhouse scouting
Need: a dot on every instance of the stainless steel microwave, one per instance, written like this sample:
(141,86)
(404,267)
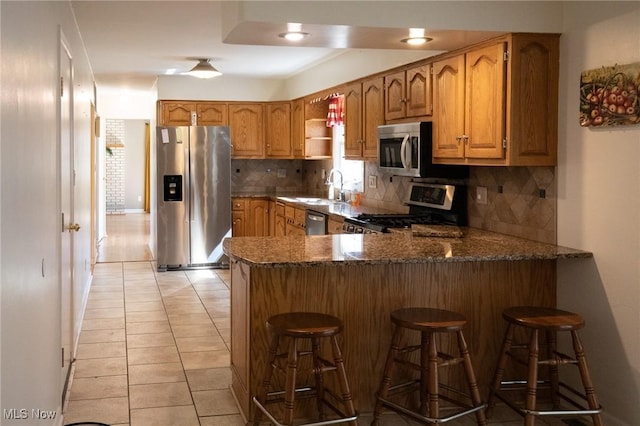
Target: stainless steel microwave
(404,149)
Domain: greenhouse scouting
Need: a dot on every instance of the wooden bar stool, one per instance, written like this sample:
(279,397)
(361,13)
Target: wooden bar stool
(428,322)
(311,326)
(549,320)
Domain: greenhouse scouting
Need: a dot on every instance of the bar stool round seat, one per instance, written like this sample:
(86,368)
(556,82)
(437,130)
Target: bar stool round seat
(429,322)
(550,321)
(297,327)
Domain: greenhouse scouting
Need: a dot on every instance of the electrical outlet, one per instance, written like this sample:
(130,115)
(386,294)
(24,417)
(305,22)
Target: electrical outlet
(373,182)
(282,173)
(481,195)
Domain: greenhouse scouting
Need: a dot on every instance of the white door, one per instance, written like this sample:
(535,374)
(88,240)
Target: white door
(67,225)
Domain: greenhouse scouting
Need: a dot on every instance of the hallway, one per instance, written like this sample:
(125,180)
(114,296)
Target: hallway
(154,347)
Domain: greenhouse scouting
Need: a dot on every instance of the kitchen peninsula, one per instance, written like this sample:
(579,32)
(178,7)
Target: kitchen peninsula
(363,278)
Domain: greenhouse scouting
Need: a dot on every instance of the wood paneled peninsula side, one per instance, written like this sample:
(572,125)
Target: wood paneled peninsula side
(363,278)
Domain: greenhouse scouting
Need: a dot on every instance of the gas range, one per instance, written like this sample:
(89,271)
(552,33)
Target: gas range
(429,204)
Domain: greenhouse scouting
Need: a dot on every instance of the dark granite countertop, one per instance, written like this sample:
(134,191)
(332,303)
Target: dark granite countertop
(396,247)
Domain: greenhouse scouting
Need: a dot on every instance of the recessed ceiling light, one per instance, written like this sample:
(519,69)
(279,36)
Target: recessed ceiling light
(416,41)
(294,35)
(294,32)
(416,37)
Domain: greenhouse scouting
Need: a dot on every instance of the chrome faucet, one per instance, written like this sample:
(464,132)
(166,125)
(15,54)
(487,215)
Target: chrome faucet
(330,181)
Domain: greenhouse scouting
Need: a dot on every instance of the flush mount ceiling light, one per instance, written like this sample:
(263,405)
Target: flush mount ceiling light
(204,70)
(416,37)
(294,32)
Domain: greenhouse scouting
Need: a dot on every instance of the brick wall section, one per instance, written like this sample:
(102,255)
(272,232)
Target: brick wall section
(114,167)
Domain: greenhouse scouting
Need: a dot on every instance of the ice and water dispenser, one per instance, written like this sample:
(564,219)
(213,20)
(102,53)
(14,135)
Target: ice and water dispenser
(172,187)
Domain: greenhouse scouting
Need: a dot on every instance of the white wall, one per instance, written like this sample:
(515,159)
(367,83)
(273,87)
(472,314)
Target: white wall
(599,207)
(30,322)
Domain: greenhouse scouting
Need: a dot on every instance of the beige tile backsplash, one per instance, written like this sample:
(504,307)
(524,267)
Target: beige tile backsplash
(517,210)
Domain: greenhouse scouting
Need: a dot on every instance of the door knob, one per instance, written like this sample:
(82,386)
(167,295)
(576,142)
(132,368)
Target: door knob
(73,227)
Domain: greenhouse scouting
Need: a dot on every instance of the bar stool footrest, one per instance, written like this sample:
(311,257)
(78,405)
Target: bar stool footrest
(307,392)
(426,419)
(521,385)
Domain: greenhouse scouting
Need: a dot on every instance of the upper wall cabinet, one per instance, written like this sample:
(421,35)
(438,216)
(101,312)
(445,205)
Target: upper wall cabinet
(278,130)
(297,128)
(247,132)
(364,112)
(497,104)
(176,113)
(408,93)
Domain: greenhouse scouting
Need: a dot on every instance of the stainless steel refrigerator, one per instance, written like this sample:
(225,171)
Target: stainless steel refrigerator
(193,197)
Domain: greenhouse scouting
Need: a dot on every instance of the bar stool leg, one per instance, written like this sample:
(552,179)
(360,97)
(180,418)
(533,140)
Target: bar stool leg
(262,392)
(502,364)
(317,367)
(471,379)
(347,398)
(424,373)
(386,375)
(590,392)
(532,380)
(553,368)
(434,398)
(290,382)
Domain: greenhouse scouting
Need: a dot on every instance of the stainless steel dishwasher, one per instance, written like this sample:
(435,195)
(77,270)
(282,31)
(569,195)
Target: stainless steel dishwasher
(315,223)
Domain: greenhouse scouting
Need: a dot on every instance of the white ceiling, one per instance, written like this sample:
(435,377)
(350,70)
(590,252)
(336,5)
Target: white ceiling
(130,43)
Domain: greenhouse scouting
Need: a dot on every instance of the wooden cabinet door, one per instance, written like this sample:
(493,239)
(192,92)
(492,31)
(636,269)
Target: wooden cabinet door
(247,133)
(448,108)
(418,96)
(297,128)
(237,223)
(278,130)
(372,115)
(335,226)
(353,120)
(257,224)
(212,114)
(485,102)
(532,137)
(395,102)
(280,228)
(177,113)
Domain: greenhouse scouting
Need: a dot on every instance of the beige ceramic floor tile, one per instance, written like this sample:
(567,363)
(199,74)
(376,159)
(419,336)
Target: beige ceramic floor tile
(209,379)
(108,303)
(153,355)
(106,295)
(186,308)
(159,395)
(144,297)
(222,323)
(202,343)
(145,306)
(150,340)
(104,313)
(165,416)
(190,319)
(203,360)
(148,327)
(97,288)
(109,411)
(156,373)
(98,387)
(100,367)
(146,316)
(102,324)
(215,402)
(102,336)
(194,330)
(231,420)
(101,350)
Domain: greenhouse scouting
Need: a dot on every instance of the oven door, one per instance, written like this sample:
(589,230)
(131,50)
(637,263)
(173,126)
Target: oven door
(399,153)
